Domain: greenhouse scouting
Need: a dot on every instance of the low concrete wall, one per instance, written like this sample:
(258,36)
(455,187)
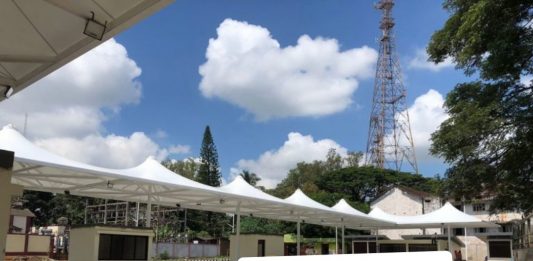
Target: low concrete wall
(15,243)
(273,245)
(38,243)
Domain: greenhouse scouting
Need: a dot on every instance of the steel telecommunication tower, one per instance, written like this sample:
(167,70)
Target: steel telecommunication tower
(390,141)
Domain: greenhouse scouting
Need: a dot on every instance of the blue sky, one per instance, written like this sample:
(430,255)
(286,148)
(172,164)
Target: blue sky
(170,111)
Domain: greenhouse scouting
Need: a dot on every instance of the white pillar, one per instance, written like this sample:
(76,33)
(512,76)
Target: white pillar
(126,214)
(298,238)
(238,233)
(377,239)
(105,211)
(343,246)
(137,215)
(449,239)
(5,205)
(148,214)
(336,241)
(466,244)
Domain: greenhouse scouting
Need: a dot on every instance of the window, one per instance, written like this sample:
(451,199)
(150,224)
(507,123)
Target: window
(359,248)
(122,247)
(363,247)
(261,247)
(480,230)
(478,207)
(422,247)
(500,249)
(387,248)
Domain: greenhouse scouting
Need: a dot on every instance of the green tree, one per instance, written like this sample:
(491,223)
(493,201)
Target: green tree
(209,172)
(488,139)
(187,168)
(353,158)
(250,177)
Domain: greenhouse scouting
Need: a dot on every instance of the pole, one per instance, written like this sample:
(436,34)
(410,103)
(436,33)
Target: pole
(336,241)
(377,238)
(238,234)
(105,211)
(343,246)
(85,213)
(449,239)
(137,215)
(148,214)
(126,214)
(298,238)
(466,245)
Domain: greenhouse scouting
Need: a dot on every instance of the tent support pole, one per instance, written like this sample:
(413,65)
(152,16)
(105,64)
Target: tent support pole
(377,238)
(298,238)
(149,212)
(137,215)
(466,244)
(449,239)
(105,212)
(238,232)
(336,240)
(343,245)
(126,215)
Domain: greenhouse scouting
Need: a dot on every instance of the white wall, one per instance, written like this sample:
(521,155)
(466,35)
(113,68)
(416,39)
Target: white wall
(398,202)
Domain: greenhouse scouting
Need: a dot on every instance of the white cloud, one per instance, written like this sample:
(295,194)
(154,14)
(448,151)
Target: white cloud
(420,61)
(67,109)
(70,101)
(247,67)
(426,115)
(179,149)
(110,151)
(272,166)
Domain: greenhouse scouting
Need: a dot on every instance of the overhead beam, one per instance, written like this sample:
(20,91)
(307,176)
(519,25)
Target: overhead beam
(7,81)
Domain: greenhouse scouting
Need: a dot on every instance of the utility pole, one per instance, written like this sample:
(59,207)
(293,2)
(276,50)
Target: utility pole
(390,141)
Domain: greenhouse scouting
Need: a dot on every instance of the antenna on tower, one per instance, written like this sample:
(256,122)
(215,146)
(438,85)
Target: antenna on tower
(390,140)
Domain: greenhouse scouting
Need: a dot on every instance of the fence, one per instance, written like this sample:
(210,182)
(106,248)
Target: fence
(179,250)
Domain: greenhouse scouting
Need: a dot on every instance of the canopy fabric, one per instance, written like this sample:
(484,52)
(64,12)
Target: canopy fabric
(40,36)
(339,218)
(38,169)
(150,182)
(447,215)
(343,206)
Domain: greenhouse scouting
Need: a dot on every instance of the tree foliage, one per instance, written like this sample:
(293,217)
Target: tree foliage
(209,172)
(250,177)
(187,168)
(488,139)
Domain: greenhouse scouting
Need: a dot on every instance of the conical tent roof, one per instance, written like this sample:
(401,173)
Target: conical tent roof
(254,201)
(447,215)
(331,216)
(343,206)
(38,169)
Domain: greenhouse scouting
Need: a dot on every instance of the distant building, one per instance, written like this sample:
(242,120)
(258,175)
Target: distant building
(404,201)
(494,243)
(20,242)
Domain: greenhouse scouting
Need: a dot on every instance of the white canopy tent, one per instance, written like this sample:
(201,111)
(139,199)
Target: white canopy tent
(40,36)
(151,183)
(447,216)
